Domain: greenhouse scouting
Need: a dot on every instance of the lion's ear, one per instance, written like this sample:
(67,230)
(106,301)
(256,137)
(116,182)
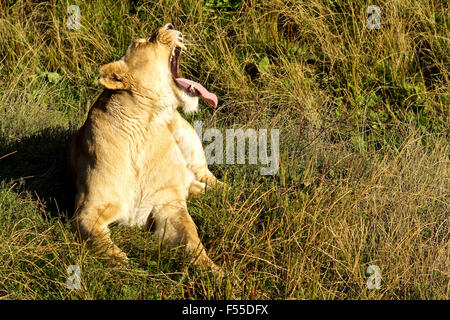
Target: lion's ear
(114,75)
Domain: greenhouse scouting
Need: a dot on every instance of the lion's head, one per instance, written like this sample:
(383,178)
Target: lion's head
(150,67)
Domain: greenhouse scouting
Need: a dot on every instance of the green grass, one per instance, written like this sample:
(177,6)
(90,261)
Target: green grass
(364,173)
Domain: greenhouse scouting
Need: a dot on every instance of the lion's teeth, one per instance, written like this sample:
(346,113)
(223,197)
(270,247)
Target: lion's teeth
(192,88)
(180,44)
(173,52)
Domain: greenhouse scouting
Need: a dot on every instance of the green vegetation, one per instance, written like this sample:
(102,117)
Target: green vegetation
(364,174)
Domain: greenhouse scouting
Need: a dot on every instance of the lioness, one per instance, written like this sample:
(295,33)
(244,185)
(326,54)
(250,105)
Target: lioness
(125,160)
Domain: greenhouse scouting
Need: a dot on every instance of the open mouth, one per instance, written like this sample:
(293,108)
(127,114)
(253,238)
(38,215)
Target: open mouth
(192,88)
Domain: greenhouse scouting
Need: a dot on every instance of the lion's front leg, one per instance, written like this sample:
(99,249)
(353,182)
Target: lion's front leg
(192,150)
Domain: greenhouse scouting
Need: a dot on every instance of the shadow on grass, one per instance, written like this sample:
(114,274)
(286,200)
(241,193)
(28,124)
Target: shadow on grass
(38,164)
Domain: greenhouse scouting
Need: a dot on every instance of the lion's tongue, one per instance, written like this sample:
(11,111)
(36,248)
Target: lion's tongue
(209,97)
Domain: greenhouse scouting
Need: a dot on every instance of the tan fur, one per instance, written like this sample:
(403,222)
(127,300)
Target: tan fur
(125,160)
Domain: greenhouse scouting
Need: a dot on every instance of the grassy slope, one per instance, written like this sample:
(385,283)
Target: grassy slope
(363,119)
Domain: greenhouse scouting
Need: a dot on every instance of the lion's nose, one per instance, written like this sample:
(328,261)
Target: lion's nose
(169,26)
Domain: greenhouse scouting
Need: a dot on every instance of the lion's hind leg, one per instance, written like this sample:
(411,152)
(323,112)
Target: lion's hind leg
(91,221)
(174,227)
